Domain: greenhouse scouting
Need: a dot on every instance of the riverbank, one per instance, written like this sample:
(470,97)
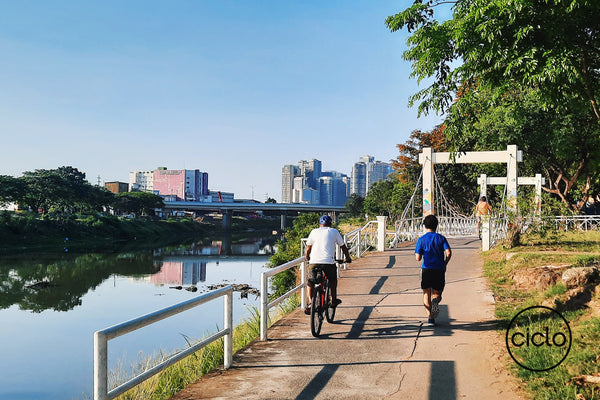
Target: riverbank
(561,273)
(98,233)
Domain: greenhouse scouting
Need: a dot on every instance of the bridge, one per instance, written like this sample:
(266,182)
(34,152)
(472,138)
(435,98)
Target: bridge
(227,209)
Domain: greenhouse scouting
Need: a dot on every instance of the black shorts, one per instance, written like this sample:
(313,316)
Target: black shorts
(433,279)
(330,271)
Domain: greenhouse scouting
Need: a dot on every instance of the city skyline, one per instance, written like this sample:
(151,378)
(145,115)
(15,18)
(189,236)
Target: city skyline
(308,182)
(232,88)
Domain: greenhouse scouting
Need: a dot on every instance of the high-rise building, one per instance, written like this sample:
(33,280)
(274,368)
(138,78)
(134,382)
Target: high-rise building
(334,188)
(379,172)
(288,173)
(366,172)
(312,170)
(181,184)
(307,183)
(175,185)
(141,181)
(358,179)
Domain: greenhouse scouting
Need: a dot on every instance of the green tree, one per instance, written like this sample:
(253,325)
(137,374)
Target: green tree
(489,56)
(288,249)
(11,189)
(46,189)
(62,190)
(388,198)
(354,205)
(565,148)
(141,203)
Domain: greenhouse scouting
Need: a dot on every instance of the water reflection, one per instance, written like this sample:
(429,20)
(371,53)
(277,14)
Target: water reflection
(225,246)
(42,283)
(180,273)
(58,282)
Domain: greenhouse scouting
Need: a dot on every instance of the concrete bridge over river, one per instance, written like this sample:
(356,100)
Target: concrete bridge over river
(228,209)
(379,346)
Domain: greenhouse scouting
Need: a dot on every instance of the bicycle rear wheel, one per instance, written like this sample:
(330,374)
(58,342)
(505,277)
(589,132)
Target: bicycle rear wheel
(316,313)
(328,306)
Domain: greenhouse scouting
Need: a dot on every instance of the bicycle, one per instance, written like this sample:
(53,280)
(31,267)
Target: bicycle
(321,302)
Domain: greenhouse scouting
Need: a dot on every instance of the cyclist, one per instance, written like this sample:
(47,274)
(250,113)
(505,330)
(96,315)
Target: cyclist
(320,250)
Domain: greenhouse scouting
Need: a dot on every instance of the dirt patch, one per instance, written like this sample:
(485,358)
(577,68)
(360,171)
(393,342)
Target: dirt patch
(539,278)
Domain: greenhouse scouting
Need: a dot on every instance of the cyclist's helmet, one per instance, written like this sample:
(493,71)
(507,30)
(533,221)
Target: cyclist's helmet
(325,220)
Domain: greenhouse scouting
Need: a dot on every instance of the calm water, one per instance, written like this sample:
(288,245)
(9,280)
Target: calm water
(46,331)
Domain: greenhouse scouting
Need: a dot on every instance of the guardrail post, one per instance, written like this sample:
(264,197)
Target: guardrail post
(485,234)
(380,233)
(358,244)
(303,282)
(100,367)
(264,301)
(228,324)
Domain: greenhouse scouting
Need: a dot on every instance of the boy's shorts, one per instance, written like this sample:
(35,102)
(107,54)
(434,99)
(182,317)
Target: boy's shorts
(433,279)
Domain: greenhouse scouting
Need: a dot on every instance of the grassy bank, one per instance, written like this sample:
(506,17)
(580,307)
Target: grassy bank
(165,384)
(530,275)
(28,231)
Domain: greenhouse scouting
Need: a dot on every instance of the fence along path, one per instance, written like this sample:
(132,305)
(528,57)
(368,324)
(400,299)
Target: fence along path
(379,348)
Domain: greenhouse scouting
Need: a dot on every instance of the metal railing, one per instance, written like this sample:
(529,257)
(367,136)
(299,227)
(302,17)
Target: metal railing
(581,222)
(411,229)
(362,239)
(265,305)
(406,230)
(102,337)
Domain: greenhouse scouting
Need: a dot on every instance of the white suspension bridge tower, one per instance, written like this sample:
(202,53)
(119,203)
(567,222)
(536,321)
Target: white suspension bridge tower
(452,223)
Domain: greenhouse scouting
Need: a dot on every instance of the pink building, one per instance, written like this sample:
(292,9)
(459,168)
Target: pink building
(180,273)
(182,184)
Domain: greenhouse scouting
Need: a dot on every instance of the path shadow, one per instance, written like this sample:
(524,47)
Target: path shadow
(442,381)
(317,383)
(442,378)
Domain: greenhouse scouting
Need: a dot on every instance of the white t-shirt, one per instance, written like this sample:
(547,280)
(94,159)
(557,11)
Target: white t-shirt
(323,241)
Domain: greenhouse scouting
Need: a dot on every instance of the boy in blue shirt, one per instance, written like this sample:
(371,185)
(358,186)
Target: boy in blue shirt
(435,252)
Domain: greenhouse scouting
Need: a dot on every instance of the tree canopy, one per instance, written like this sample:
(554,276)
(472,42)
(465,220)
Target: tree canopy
(388,198)
(522,72)
(137,202)
(65,190)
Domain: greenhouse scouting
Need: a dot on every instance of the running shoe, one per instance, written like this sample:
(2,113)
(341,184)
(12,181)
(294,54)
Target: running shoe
(431,322)
(307,310)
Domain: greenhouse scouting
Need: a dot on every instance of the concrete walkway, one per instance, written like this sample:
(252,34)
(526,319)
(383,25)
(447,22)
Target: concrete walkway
(380,347)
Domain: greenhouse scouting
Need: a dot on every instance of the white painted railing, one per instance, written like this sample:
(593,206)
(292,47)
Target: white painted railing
(410,229)
(406,230)
(265,305)
(362,239)
(580,222)
(102,337)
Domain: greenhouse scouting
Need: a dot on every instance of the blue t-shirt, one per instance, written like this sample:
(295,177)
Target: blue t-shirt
(432,246)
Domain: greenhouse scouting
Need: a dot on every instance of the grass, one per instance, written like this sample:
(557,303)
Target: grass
(173,379)
(584,356)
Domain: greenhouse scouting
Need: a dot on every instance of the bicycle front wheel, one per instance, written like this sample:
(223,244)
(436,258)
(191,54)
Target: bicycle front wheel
(316,313)
(329,307)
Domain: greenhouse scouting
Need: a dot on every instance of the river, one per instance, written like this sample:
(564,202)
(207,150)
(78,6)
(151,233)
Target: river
(50,306)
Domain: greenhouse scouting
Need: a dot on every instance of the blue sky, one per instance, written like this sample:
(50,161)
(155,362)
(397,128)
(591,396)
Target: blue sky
(233,88)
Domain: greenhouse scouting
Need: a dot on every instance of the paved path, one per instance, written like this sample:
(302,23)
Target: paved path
(379,347)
